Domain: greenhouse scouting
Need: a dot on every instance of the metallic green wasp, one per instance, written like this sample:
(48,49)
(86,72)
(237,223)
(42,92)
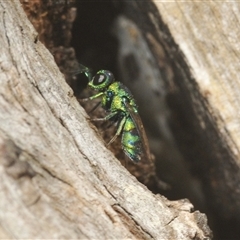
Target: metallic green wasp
(120,105)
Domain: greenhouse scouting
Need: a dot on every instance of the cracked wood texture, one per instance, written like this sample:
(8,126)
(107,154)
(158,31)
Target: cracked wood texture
(57,179)
(204,51)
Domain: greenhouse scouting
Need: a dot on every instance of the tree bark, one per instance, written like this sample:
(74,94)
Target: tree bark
(207,36)
(57,178)
(181,61)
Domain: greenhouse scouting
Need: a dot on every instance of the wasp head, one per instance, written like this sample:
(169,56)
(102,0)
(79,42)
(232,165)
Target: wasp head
(102,80)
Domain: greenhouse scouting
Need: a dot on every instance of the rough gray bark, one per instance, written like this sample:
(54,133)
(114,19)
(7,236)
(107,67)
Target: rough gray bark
(57,178)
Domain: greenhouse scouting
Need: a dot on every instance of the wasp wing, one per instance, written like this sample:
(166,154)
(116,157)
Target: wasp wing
(141,131)
(146,150)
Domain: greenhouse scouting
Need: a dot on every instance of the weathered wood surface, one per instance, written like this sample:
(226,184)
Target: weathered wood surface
(204,48)
(209,40)
(57,178)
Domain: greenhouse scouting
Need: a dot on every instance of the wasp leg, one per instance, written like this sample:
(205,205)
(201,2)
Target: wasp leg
(119,130)
(110,124)
(105,118)
(95,107)
(90,98)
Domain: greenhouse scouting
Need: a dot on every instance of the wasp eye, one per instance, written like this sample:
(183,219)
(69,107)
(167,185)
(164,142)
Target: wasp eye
(99,79)
(102,80)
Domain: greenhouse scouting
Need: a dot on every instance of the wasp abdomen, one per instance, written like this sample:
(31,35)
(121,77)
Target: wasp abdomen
(131,141)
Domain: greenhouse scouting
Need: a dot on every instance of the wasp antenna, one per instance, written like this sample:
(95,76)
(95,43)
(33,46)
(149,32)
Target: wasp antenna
(82,69)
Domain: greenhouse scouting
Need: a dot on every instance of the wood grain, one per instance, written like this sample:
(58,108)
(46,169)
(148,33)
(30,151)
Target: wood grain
(57,178)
